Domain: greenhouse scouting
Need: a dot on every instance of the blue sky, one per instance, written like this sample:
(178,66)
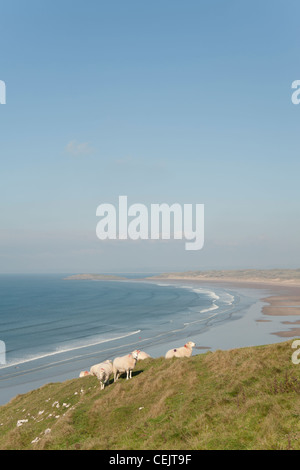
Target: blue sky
(162,101)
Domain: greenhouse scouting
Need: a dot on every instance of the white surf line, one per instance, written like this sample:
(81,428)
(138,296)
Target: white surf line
(213,307)
(231,301)
(14,364)
(197,290)
(53,364)
(204,319)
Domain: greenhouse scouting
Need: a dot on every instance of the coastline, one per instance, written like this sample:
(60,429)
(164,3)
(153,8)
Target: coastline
(260,321)
(283,299)
(249,281)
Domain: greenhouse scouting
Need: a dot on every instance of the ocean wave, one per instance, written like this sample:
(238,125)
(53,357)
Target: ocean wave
(210,293)
(230,300)
(213,307)
(200,290)
(61,350)
(203,319)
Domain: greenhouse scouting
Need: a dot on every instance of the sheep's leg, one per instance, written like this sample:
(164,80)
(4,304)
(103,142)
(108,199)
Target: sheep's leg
(130,374)
(127,372)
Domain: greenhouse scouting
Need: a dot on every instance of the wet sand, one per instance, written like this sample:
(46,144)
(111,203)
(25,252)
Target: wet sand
(283,299)
(293,333)
(284,305)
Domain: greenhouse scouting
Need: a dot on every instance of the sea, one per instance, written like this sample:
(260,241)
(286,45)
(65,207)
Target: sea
(52,328)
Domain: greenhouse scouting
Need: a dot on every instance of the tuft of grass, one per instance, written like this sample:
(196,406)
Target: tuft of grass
(237,399)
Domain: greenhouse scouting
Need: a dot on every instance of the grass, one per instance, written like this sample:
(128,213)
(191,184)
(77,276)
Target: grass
(238,399)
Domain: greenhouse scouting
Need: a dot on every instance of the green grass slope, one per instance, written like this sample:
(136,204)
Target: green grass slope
(238,399)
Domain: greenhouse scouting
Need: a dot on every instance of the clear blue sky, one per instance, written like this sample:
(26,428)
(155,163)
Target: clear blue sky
(162,101)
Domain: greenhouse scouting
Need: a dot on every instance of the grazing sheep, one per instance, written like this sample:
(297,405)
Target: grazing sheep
(102,371)
(125,364)
(84,373)
(184,351)
(143,355)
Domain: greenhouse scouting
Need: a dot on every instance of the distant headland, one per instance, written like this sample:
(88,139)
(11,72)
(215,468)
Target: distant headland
(289,277)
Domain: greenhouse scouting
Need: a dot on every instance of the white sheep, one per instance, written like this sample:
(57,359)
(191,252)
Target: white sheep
(125,364)
(184,351)
(84,373)
(143,355)
(102,371)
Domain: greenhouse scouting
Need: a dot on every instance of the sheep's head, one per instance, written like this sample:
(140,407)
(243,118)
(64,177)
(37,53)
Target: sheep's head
(84,373)
(190,344)
(135,354)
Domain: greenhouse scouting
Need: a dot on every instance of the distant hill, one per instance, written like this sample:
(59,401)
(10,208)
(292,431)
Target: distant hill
(283,276)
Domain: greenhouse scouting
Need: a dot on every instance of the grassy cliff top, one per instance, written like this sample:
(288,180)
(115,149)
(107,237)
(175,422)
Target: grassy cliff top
(237,399)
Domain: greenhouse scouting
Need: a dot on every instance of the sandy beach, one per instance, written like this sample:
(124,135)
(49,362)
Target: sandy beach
(286,304)
(270,277)
(283,299)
